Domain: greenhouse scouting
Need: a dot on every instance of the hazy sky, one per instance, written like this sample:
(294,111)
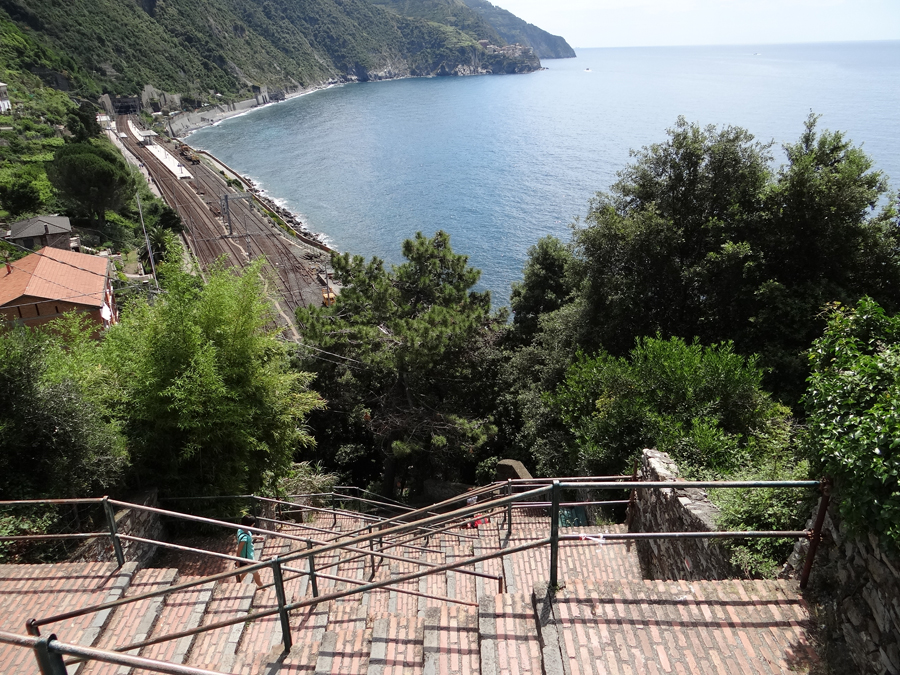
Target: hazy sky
(634,23)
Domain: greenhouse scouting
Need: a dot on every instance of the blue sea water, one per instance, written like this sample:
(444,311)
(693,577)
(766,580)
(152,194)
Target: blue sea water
(501,161)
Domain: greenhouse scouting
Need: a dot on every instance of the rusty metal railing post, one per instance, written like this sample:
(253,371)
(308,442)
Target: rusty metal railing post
(333,512)
(509,508)
(312,570)
(111,523)
(632,498)
(282,602)
(816,534)
(49,663)
(554,535)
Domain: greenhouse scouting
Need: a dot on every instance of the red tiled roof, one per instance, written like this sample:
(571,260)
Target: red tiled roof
(54,274)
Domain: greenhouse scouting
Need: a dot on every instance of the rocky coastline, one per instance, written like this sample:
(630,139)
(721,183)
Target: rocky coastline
(510,60)
(291,220)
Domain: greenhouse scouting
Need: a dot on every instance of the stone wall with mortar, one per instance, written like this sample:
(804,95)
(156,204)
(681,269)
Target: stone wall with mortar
(856,587)
(676,510)
(128,521)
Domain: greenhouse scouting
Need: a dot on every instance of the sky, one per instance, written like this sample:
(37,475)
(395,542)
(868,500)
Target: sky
(641,23)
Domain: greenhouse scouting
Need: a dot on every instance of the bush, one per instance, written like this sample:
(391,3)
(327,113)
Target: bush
(853,402)
(763,509)
(705,406)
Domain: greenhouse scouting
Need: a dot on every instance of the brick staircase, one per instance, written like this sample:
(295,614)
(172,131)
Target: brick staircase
(605,619)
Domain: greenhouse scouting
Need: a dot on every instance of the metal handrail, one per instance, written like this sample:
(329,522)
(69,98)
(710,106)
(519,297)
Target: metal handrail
(81,500)
(738,534)
(326,547)
(40,537)
(567,479)
(438,519)
(368,492)
(537,505)
(680,485)
(374,519)
(53,649)
(335,595)
(452,500)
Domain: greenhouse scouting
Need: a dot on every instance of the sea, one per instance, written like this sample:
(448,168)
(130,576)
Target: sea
(500,161)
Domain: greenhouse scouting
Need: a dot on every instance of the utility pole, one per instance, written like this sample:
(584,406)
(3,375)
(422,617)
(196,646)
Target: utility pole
(147,240)
(224,200)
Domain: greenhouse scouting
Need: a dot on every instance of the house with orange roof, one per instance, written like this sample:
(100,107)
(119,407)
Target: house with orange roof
(41,287)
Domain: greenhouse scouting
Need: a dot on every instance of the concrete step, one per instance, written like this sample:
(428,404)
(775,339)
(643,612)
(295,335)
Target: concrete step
(398,644)
(451,641)
(217,649)
(345,652)
(35,591)
(182,610)
(735,627)
(135,621)
(508,635)
(460,586)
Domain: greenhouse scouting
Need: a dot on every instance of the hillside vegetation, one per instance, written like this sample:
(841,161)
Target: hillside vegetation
(449,12)
(200,48)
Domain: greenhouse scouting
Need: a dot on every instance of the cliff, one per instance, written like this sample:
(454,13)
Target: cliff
(233,48)
(513,29)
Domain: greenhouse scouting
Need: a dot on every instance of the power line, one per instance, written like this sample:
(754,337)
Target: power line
(371,367)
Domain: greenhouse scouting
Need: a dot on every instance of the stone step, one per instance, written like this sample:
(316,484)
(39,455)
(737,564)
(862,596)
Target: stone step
(217,649)
(732,627)
(398,644)
(275,546)
(345,652)
(135,621)
(35,591)
(508,635)
(262,639)
(451,641)
(460,586)
(182,610)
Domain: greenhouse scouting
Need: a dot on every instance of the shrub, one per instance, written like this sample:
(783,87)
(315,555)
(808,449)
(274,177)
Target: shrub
(853,402)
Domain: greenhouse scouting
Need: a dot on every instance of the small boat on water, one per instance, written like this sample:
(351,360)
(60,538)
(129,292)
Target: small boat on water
(587,70)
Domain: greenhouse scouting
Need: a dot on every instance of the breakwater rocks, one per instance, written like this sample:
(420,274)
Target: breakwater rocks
(290,219)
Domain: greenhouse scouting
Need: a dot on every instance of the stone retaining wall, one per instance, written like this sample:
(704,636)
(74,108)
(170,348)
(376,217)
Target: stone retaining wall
(676,510)
(128,521)
(857,588)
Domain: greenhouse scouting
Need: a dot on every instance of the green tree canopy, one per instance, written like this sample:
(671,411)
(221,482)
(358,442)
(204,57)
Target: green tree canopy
(700,238)
(705,406)
(25,190)
(82,123)
(853,408)
(92,179)
(209,401)
(545,287)
(396,356)
(56,438)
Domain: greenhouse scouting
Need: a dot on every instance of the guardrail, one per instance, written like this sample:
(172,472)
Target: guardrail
(48,652)
(419,523)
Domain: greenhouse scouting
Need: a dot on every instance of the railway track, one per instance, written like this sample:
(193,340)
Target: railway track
(289,264)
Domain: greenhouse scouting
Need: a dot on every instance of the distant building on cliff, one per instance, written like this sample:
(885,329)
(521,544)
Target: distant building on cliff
(4,99)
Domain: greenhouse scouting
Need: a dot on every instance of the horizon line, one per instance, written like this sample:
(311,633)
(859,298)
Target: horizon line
(742,44)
